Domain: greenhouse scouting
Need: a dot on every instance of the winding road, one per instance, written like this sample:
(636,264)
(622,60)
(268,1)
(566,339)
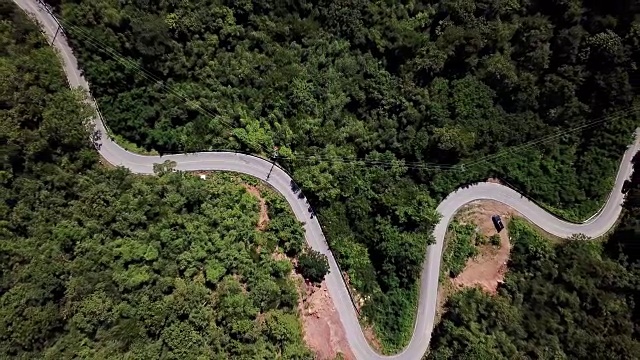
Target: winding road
(596,226)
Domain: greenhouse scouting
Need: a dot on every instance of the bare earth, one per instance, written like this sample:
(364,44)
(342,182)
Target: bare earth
(488,269)
(105,163)
(323,331)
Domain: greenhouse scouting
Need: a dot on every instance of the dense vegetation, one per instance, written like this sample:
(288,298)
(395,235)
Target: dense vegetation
(101,264)
(396,84)
(577,300)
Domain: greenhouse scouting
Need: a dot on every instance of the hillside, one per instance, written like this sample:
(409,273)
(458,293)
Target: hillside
(574,300)
(539,93)
(98,263)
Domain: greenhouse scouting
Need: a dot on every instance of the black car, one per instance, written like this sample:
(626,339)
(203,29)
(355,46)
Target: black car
(497,222)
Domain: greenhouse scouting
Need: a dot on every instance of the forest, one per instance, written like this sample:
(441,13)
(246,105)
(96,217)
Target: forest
(97,263)
(576,300)
(378,108)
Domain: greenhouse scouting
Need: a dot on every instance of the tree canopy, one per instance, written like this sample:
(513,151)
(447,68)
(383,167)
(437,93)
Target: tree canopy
(98,263)
(375,104)
(313,265)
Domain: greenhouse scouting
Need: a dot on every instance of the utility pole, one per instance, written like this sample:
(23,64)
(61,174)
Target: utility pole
(274,157)
(56,35)
(44,6)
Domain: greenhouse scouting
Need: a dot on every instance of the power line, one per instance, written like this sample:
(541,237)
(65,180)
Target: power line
(150,76)
(145,73)
(129,63)
(417,165)
(322,158)
(561,133)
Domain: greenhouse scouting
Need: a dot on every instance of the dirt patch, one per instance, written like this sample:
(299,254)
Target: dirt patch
(359,300)
(243,284)
(371,337)
(488,269)
(323,331)
(204,175)
(264,215)
(279,255)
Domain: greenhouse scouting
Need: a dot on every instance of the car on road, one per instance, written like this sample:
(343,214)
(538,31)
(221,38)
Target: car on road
(497,222)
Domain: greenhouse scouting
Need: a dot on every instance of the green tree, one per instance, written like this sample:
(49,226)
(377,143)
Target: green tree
(101,263)
(313,265)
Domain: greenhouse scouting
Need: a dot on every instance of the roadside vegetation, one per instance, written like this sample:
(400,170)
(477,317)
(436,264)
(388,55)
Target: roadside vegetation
(131,147)
(573,300)
(463,242)
(459,247)
(532,92)
(98,263)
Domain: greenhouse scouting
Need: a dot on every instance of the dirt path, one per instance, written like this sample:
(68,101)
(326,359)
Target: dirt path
(488,269)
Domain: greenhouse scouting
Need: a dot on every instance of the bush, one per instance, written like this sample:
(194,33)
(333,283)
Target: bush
(313,265)
(459,248)
(495,240)
(481,239)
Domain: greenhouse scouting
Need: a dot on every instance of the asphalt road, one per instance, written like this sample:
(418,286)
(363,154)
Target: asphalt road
(259,168)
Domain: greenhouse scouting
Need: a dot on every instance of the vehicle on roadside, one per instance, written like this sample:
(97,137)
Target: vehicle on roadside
(497,222)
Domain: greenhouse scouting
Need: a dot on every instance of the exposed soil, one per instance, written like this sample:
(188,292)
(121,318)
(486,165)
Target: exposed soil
(323,331)
(371,337)
(488,269)
(201,174)
(278,255)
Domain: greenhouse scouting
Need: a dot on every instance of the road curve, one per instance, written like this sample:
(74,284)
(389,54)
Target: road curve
(280,180)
